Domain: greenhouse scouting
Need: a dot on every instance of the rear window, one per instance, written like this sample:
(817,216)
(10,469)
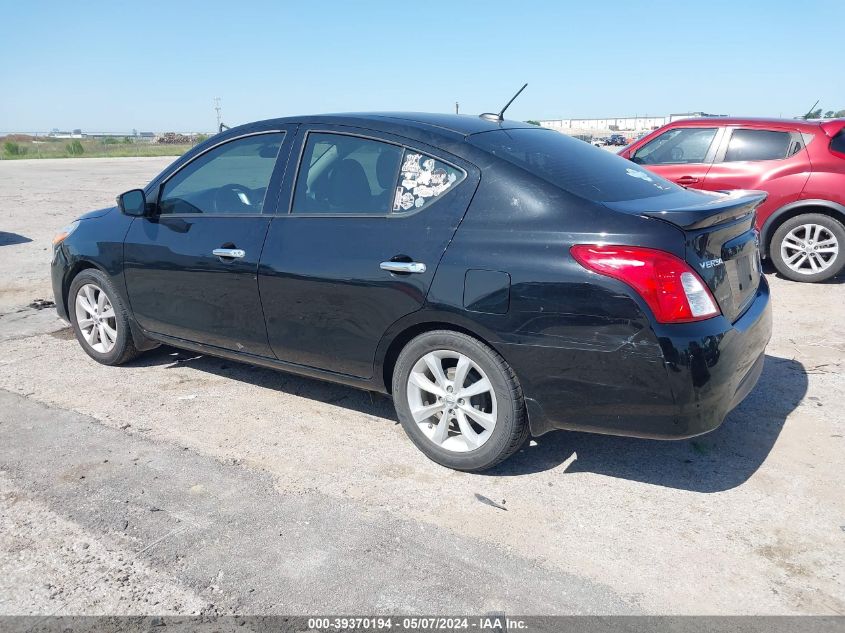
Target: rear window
(574,166)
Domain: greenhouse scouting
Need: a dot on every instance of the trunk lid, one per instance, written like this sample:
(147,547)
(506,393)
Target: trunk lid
(721,243)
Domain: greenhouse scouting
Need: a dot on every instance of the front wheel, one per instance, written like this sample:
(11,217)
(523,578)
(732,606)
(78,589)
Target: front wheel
(459,401)
(99,319)
(809,248)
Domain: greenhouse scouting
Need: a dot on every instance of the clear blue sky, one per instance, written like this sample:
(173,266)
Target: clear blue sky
(114,66)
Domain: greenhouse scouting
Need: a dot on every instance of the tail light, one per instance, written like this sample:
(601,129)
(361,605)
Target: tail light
(673,290)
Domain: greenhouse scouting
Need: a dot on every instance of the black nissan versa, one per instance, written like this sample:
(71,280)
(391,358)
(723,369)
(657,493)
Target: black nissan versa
(496,278)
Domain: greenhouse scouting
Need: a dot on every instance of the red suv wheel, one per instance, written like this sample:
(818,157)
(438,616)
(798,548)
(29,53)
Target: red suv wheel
(809,248)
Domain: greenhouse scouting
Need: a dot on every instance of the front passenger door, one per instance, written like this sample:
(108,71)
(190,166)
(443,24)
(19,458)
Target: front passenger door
(191,267)
(682,154)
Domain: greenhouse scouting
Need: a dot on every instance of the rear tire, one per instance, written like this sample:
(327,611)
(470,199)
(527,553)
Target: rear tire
(477,397)
(809,248)
(99,319)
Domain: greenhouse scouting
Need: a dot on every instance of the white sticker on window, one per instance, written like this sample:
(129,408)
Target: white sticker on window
(423,178)
(635,173)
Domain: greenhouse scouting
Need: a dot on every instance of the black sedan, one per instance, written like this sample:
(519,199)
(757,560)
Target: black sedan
(497,279)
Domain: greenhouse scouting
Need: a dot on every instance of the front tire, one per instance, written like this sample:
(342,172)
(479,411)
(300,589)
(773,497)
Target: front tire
(809,248)
(459,401)
(99,319)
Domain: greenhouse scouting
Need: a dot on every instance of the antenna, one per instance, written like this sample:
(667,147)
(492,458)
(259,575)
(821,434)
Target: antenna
(807,116)
(218,108)
(500,117)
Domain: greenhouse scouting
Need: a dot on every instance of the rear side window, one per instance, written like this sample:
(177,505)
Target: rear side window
(678,146)
(342,174)
(574,166)
(758,145)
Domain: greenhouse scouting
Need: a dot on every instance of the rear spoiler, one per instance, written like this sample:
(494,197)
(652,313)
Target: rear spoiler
(833,127)
(731,205)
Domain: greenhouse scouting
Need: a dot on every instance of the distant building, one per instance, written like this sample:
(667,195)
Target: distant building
(148,137)
(57,133)
(636,124)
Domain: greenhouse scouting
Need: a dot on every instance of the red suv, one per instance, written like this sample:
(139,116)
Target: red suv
(800,164)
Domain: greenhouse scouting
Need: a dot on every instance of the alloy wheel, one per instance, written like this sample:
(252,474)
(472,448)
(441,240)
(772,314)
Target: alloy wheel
(96,318)
(452,400)
(809,249)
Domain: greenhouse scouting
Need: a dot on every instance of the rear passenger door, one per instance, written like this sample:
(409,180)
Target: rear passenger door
(681,154)
(358,238)
(774,160)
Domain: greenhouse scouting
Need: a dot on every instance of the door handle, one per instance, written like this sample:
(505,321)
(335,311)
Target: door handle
(687,180)
(234,253)
(403,267)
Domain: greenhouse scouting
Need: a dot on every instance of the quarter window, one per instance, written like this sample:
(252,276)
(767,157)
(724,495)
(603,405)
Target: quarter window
(758,145)
(678,146)
(342,174)
(838,142)
(422,180)
(229,179)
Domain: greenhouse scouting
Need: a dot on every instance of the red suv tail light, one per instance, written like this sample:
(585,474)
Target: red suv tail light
(673,290)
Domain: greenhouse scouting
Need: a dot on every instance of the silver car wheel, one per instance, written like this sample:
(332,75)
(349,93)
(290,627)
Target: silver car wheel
(452,400)
(809,249)
(95,318)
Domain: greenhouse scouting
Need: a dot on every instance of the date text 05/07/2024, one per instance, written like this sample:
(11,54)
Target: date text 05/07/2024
(484,623)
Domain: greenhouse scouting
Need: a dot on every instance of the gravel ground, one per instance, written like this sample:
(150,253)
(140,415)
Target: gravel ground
(183,483)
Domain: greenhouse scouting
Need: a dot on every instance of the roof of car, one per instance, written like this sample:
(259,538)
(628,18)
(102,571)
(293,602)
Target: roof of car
(454,125)
(748,121)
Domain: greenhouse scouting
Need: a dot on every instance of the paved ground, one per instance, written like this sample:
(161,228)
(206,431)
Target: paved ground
(182,483)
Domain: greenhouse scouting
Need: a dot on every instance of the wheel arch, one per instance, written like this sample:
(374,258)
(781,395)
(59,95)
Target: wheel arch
(402,333)
(72,272)
(793,209)
(141,341)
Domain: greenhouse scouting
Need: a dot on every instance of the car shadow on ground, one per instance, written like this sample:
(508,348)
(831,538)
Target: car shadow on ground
(318,390)
(770,270)
(9,239)
(715,462)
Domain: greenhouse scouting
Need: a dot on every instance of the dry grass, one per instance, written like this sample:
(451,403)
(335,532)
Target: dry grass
(44,147)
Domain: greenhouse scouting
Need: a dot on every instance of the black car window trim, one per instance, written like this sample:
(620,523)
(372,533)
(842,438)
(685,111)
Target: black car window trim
(389,214)
(729,131)
(159,187)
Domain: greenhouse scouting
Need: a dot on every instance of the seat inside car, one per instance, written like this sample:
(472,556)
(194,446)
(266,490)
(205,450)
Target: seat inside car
(347,186)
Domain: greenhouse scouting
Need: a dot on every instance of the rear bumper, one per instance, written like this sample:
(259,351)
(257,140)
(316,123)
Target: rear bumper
(676,382)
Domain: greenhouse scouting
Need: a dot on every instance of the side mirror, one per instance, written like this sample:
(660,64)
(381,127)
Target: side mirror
(133,203)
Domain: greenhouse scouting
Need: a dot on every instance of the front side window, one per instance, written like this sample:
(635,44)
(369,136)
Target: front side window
(342,174)
(678,146)
(758,145)
(230,179)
